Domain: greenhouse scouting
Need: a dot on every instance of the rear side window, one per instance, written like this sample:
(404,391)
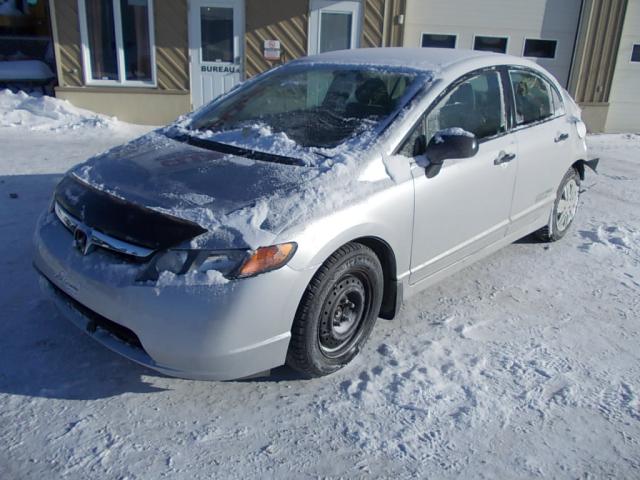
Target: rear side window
(533,96)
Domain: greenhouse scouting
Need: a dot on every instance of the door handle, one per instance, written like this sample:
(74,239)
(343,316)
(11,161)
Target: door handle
(504,157)
(561,137)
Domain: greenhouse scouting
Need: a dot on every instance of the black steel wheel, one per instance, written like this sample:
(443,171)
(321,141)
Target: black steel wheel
(337,312)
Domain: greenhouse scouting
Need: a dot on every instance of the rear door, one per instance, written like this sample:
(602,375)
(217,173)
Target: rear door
(543,131)
(466,206)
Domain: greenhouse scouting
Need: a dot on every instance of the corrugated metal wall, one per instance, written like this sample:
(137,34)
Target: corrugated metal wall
(599,38)
(171,44)
(393,32)
(284,20)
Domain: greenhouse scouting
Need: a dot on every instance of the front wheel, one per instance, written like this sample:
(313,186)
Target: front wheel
(337,312)
(564,208)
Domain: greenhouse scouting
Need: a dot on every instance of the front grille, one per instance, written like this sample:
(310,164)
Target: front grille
(98,321)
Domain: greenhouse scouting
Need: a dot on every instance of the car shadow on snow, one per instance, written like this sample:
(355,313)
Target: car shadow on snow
(42,354)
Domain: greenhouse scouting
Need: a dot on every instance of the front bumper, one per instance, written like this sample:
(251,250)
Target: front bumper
(212,332)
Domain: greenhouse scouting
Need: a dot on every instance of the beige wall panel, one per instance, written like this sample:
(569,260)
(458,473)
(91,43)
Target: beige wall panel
(284,20)
(595,116)
(135,106)
(624,100)
(373,23)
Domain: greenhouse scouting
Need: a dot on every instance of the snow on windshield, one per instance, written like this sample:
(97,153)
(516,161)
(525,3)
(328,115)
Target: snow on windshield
(306,112)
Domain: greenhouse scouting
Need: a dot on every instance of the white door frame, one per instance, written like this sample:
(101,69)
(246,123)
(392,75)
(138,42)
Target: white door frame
(316,7)
(195,51)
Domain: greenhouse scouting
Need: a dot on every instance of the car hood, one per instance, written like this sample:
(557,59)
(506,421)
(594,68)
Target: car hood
(157,175)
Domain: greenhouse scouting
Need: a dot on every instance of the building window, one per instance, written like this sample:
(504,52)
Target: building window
(216,31)
(635,53)
(438,40)
(335,31)
(490,44)
(117,42)
(540,48)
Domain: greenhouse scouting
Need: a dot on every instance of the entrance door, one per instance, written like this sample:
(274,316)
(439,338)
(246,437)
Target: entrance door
(215,44)
(334,26)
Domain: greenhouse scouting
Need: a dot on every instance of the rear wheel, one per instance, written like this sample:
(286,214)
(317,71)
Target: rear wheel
(564,208)
(337,312)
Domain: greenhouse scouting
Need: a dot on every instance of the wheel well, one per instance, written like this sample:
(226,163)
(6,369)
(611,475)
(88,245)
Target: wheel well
(388,261)
(579,167)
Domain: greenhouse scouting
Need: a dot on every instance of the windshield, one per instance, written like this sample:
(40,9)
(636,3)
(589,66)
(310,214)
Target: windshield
(312,107)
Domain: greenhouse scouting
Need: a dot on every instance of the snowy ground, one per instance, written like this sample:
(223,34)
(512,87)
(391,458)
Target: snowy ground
(524,365)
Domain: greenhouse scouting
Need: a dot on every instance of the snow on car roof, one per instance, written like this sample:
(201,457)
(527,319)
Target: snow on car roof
(428,59)
(422,58)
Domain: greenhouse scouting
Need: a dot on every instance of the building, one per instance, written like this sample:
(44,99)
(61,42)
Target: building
(148,61)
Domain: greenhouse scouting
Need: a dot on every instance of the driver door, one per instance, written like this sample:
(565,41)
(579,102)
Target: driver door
(466,206)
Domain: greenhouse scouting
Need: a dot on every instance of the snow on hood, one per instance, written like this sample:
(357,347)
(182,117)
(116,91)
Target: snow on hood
(240,202)
(46,113)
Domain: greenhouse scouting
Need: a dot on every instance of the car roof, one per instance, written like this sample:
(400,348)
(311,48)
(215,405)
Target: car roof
(436,60)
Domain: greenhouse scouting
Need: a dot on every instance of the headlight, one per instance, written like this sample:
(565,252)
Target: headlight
(230,263)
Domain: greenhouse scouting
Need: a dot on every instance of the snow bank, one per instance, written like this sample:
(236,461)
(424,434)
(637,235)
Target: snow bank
(47,113)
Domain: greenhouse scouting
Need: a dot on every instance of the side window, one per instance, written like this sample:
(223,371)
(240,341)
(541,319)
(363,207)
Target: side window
(476,105)
(533,97)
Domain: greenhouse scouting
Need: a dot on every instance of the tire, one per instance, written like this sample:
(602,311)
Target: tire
(564,208)
(338,311)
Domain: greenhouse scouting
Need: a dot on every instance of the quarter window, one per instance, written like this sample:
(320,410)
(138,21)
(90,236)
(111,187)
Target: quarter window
(438,40)
(540,48)
(117,41)
(533,98)
(490,44)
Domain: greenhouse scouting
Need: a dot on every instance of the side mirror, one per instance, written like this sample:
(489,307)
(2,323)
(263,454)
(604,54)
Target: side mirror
(446,145)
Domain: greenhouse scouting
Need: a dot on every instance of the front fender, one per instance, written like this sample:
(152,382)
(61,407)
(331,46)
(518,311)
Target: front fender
(386,215)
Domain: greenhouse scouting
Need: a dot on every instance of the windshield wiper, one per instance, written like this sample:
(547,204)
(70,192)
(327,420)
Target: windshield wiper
(239,151)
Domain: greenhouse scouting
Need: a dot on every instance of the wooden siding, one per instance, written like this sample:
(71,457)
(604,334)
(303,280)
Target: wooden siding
(595,58)
(373,23)
(68,43)
(172,44)
(283,20)
(172,58)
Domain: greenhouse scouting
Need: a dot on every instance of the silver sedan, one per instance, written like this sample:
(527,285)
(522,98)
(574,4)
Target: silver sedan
(276,224)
